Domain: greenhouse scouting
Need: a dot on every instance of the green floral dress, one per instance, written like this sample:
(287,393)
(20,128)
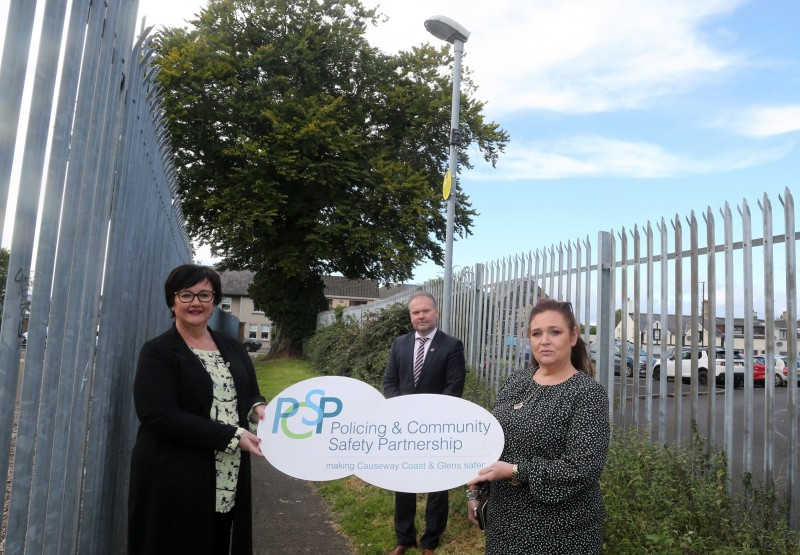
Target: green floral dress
(223,410)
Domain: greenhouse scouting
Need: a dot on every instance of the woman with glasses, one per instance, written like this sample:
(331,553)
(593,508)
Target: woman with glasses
(196,396)
(545,493)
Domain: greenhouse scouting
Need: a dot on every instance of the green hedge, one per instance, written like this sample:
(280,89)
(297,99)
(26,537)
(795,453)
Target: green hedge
(346,348)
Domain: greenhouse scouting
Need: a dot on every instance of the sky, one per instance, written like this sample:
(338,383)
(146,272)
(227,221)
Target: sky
(620,112)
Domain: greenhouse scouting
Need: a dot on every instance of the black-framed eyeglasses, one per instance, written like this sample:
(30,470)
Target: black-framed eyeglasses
(188,296)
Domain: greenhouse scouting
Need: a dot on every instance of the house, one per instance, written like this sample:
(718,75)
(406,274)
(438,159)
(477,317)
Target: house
(341,291)
(254,323)
(236,300)
(392,289)
(670,333)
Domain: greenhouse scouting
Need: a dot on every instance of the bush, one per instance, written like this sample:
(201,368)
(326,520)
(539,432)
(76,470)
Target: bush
(346,348)
(675,500)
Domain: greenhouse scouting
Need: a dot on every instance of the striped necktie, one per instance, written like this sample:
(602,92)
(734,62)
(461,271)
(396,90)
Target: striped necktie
(418,360)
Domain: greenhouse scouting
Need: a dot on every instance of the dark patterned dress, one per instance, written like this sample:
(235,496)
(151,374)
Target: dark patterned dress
(558,436)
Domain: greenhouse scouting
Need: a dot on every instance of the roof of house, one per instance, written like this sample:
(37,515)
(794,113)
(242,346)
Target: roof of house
(392,289)
(342,287)
(236,283)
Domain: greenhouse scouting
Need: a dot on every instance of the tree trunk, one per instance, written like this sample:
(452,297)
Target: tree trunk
(282,346)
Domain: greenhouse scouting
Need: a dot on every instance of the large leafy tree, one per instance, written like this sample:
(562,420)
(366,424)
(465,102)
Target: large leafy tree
(302,150)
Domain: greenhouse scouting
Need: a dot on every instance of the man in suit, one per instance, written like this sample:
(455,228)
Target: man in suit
(425,361)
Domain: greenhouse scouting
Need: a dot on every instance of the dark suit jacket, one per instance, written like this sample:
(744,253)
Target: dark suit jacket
(443,372)
(172,491)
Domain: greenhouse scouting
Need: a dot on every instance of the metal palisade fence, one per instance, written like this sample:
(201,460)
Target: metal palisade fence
(96,229)
(700,299)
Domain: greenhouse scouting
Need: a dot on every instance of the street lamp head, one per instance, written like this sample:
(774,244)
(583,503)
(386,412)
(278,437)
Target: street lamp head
(446,29)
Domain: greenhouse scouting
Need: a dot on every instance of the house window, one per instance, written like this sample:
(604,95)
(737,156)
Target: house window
(738,330)
(251,330)
(256,311)
(264,331)
(656,335)
(357,303)
(225,305)
(782,335)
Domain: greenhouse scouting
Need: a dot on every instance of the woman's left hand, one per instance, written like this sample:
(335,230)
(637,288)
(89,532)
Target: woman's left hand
(496,471)
(472,506)
(250,442)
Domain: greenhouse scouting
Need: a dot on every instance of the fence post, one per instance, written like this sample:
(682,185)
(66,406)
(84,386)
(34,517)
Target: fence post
(605,311)
(477,316)
(791,350)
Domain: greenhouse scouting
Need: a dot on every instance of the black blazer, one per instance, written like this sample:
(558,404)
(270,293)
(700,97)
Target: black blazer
(172,491)
(444,370)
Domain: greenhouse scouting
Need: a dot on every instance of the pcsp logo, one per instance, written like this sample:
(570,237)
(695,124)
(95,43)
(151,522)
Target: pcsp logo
(288,407)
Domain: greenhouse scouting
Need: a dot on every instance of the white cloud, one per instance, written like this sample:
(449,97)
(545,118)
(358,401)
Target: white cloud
(764,121)
(574,56)
(569,56)
(594,156)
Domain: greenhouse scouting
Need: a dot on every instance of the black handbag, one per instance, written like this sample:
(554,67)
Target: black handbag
(482,510)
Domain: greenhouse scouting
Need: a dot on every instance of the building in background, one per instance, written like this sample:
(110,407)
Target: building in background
(392,289)
(671,332)
(341,291)
(254,324)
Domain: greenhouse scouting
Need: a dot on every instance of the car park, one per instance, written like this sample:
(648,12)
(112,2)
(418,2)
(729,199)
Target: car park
(251,345)
(704,367)
(629,362)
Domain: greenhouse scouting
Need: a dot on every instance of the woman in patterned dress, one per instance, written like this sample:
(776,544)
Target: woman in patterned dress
(545,489)
(196,395)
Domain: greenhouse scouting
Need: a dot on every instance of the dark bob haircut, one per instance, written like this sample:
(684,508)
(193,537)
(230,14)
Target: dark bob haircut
(188,275)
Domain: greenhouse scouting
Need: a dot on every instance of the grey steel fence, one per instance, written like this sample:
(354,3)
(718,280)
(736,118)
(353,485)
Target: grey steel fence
(705,291)
(96,227)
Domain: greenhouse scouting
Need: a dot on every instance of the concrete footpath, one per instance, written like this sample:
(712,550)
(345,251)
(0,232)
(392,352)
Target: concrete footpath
(289,517)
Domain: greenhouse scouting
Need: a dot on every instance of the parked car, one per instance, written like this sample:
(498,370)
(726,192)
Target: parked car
(629,362)
(704,367)
(760,371)
(656,358)
(251,345)
(759,374)
(785,371)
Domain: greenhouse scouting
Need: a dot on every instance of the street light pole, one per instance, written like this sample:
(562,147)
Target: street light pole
(450,31)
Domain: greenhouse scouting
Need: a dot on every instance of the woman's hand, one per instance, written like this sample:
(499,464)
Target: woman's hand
(472,507)
(260,411)
(250,442)
(496,471)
